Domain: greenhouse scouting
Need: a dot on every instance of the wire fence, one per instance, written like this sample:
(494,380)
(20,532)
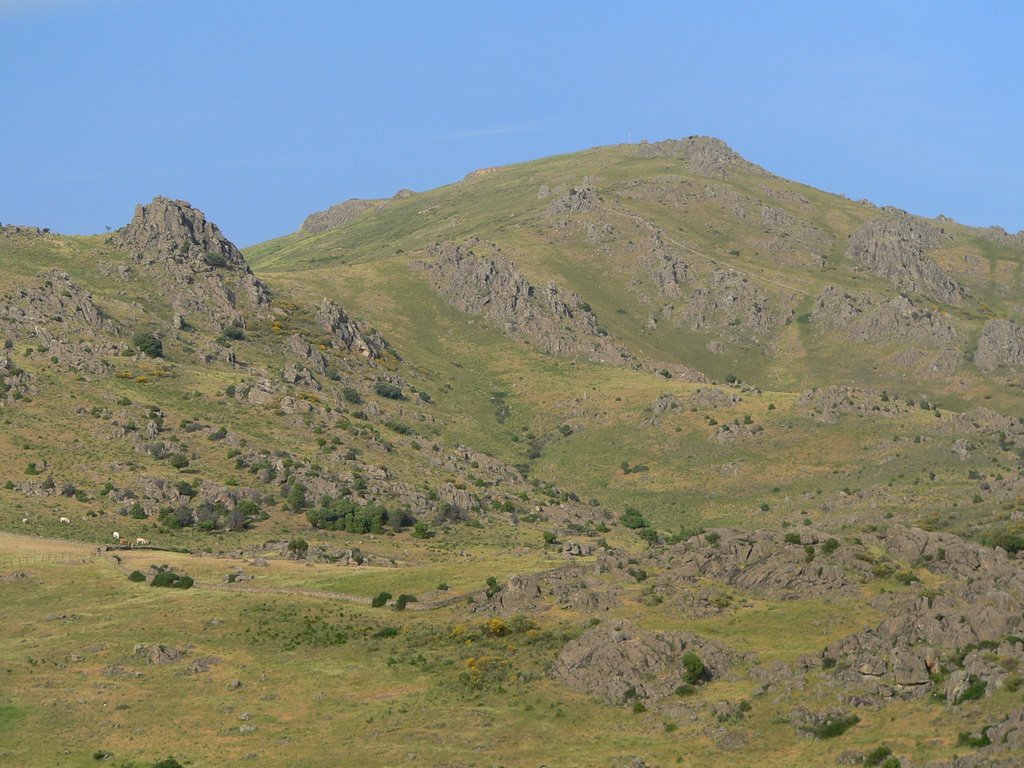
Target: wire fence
(16,561)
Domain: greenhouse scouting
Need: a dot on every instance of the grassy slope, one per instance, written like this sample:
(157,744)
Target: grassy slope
(393,701)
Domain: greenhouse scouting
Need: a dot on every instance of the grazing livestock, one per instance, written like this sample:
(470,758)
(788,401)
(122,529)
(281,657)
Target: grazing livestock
(24,519)
(66,520)
(141,542)
(117,536)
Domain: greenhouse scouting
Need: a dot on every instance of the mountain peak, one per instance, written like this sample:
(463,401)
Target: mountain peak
(705,155)
(173,229)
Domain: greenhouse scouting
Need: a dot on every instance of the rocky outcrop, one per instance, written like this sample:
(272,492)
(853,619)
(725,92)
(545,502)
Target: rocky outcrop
(478,279)
(338,215)
(173,243)
(669,272)
(346,333)
(703,155)
(55,301)
(619,662)
(863,317)
(727,300)
(70,332)
(765,563)
(157,653)
(579,199)
(896,247)
(1001,343)
(665,403)
(570,587)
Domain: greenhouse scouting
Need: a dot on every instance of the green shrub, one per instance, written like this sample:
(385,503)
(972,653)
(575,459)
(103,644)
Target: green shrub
(179,460)
(550,538)
(693,668)
(234,333)
(148,344)
(493,587)
(390,391)
(351,395)
(380,600)
(973,692)
(404,600)
(837,727)
(171,579)
(632,518)
(791,538)
(876,756)
(965,739)
(829,546)
(136,576)
(296,499)
(215,260)
(298,547)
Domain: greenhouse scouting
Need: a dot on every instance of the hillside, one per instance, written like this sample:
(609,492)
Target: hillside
(642,441)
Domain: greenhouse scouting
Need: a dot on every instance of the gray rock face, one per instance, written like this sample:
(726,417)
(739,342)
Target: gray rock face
(54,298)
(478,279)
(865,318)
(616,661)
(208,275)
(157,654)
(339,215)
(1001,343)
(577,200)
(70,331)
(348,334)
(703,155)
(895,248)
(728,300)
(763,563)
(569,587)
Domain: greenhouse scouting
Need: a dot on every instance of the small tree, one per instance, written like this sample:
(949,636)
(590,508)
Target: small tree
(298,547)
(296,497)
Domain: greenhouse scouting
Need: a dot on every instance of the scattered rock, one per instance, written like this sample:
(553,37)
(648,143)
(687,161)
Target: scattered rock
(157,653)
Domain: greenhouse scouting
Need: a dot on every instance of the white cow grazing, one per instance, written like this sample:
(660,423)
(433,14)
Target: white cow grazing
(65,520)
(117,536)
(24,519)
(141,542)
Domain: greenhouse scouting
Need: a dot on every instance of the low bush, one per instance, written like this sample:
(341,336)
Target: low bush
(171,579)
(136,576)
(390,391)
(148,344)
(835,727)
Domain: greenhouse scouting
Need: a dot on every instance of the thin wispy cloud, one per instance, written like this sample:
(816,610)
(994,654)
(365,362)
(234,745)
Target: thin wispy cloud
(474,133)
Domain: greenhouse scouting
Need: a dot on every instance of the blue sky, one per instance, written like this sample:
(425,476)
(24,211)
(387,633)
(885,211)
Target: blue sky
(261,112)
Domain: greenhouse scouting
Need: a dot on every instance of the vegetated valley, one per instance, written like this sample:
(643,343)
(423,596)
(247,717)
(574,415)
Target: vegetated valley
(639,456)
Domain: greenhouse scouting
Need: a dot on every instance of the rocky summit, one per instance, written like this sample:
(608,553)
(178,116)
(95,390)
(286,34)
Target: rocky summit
(639,456)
